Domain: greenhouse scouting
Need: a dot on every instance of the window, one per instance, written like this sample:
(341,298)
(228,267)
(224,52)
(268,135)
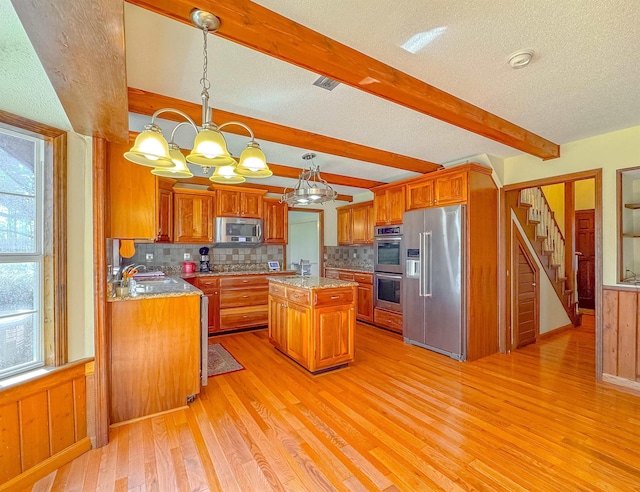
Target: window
(21,252)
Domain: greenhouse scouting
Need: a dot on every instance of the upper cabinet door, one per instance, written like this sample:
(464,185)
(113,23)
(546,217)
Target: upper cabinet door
(164,210)
(362,224)
(251,205)
(193,218)
(132,196)
(228,203)
(395,204)
(276,221)
(344,226)
(420,195)
(451,189)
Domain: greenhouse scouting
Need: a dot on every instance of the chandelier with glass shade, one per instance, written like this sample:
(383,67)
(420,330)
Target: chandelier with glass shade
(311,188)
(210,147)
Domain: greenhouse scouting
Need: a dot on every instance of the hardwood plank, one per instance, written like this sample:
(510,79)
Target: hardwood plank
(89,60)
(147,103)
(35,436)
(627,334)
(258,28)
(610,332)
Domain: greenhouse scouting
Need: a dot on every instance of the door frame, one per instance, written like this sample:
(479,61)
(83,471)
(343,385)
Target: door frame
(320,213)
(505,248)
(519,243)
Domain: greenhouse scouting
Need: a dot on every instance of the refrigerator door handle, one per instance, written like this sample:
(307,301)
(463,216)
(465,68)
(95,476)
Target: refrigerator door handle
(420,273)
(426,273)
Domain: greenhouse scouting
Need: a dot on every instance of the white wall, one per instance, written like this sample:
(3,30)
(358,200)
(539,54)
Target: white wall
(609,152)
(79,247)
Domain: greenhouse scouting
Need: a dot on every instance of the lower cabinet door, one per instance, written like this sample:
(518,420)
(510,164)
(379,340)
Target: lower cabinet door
(299,334)
(334,336)
(278,322)
(364,304)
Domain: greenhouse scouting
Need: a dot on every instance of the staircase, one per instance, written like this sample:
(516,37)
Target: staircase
(539,223)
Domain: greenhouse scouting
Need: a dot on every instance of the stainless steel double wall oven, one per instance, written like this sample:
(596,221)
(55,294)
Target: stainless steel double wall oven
(388,260)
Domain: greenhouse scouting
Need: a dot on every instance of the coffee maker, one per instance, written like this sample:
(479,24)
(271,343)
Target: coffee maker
(204,259)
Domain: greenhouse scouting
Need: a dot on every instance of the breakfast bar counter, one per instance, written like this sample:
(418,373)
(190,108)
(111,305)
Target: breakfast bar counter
(312,320)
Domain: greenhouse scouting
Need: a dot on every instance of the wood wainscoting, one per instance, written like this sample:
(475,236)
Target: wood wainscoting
(43,424)
(620,336)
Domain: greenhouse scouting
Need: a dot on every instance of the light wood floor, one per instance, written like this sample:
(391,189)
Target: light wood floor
(400,418)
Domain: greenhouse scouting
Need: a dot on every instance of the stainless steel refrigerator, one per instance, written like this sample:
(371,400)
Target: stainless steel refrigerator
(433,293)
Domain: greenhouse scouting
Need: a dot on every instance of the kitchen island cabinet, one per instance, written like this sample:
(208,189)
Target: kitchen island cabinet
(364,297)
(312,320)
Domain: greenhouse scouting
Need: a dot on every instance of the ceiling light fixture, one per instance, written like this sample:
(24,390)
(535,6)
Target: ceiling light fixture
(311,189)
(520,59)
(209,148)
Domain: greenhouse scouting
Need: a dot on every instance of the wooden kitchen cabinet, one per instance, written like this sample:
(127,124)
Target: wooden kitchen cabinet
(314,327)
(210,287)
(238,202)
(356,224)
(193,216)
(275,218)
(344,225)
(444,187)
(132,196)
(364,291)
(155,355)
(389,204)
(164,209)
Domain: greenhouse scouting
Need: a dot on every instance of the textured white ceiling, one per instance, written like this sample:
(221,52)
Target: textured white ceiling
(25,88)
(583,80)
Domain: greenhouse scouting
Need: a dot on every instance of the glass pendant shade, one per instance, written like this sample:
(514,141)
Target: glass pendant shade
(253,163)
(226,175)
(179,170)
(150,149)
(210,149)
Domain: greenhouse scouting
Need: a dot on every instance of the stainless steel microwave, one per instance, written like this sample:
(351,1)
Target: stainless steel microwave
(238,232)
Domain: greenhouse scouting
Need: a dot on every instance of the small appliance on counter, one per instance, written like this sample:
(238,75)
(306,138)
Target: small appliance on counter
(188,267)
(204,259)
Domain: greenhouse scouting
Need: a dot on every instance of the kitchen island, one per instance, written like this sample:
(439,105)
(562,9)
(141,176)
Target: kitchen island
(312,320)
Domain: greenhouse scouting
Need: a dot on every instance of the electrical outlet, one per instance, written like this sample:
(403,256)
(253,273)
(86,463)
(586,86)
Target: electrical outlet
(355,255)
(187,256)
(149,256)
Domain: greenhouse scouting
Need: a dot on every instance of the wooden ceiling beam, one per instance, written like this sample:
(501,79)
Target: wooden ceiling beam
(82,51)
(147,103)
(263,30)
(200,181)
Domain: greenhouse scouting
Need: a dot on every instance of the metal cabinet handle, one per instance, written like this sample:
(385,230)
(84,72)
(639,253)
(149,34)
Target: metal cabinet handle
(335,297)
(244,297)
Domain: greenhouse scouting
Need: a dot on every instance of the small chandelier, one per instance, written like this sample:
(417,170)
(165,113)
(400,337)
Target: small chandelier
(310,189)
(209,148)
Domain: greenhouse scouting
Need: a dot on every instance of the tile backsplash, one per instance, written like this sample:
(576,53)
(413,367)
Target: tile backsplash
(349,256)
(220,259)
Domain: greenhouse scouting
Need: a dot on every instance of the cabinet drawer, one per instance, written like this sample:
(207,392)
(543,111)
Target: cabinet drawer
(363,278)
(388,320)
(331,273)
(207,284)
(243,297)
(345,276)
(277,290)
(299,296)
(333,297)
(243,281)
(236,318)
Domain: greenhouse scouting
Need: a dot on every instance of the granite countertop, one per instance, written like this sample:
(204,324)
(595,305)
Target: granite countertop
(163,287)
(356,269)
(222,274)
(312,283)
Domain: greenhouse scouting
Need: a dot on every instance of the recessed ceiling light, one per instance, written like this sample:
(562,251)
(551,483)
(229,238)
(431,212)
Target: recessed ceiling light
(520,59)
(418,41)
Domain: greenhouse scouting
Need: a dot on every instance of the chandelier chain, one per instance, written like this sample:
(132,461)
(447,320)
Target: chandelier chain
(204,81)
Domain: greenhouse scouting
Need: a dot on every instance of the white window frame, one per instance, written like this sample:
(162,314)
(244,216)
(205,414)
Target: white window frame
(37,256)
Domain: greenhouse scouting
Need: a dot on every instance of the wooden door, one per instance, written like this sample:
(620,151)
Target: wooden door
(396,205)
(380,207)
(251,205)
(526,298)
(164,212)
(276,224)
(359,224)
(228,203)
(585,244)
(193,221)
(344,226)
(298,333)
(451,189)
(278,322)
(334,336)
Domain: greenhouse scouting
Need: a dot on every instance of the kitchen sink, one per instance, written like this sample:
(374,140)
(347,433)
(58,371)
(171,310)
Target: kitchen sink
(164,281)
